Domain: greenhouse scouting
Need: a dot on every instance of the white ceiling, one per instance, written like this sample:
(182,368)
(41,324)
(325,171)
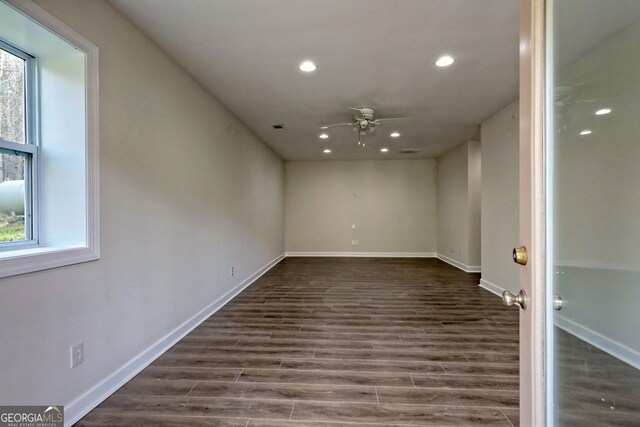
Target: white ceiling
(376,53)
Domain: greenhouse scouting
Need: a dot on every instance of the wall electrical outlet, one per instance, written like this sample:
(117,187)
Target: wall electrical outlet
(355,243)
(353,226)
(231,271)
(77,354)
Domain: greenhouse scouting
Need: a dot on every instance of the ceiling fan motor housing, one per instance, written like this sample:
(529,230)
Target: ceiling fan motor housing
(367,113)
(366,121)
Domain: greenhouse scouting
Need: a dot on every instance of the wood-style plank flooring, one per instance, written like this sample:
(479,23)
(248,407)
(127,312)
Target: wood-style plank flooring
(332,342)
(593,388)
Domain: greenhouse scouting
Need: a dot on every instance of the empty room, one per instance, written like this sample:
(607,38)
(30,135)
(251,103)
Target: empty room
(319,213)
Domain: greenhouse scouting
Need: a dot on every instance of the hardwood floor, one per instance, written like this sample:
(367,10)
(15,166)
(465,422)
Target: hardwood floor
(337,342)
(592,387)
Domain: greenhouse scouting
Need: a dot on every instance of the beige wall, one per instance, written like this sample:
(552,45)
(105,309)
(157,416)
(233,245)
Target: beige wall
(391,202)
(186,192)
(500,198)
(459,196)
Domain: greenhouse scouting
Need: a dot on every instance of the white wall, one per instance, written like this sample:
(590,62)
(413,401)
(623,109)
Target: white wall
(186,192)
(391,202)
(475,203)
(459,195)
(500,198)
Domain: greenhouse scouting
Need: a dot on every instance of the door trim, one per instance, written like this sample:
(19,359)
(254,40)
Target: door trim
(532,207)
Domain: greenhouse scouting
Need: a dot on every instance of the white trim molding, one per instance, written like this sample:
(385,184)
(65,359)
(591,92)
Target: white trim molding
(614,348)
(596,265)
(461,266)
(364,254)
(53,252)
(491,287)
(81,406)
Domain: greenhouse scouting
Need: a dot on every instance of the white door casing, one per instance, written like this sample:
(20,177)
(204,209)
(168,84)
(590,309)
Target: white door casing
(532,223)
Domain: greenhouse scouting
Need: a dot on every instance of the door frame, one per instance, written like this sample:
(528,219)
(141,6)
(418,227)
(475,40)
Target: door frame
(533,374)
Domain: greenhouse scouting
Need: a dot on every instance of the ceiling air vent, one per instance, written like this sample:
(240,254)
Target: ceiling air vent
(409,150)
(278,126)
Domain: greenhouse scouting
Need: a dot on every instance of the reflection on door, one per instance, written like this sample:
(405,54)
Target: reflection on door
(593,202)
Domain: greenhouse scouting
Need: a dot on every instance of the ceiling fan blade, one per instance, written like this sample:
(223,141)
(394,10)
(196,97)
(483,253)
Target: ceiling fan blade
(369,110)
(388,119)
(338,124)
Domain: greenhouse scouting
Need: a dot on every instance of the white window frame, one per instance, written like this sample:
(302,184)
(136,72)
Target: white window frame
(39,256)
(30,146)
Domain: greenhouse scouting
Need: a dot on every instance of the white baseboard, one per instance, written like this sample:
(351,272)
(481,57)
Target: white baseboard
(491,287)
(77,409)
(461,266)
(614,348)
(597,265)
(364,254)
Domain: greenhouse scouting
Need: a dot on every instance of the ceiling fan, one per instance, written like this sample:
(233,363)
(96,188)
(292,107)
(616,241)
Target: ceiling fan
(564,96)
(364,122)
(567,104)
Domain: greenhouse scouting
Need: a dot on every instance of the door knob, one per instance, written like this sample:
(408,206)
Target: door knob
(558,302)
(520,255)
(509,299)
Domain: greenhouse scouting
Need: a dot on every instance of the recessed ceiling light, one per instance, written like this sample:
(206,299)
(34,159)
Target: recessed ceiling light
(586,132)
(324,136)
(327,151)
(384,150)
(394,135)
(603,111)
(308,66)
(444,61)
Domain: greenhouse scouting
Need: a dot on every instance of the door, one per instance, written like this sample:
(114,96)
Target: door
(580,212)
(593,211)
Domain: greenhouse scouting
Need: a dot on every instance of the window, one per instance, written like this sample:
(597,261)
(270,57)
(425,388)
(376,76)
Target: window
(48,142)
(18,149)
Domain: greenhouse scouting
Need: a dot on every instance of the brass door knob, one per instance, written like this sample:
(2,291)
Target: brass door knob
(520,255)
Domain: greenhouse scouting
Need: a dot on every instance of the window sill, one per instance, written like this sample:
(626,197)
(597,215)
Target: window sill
(28,260)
